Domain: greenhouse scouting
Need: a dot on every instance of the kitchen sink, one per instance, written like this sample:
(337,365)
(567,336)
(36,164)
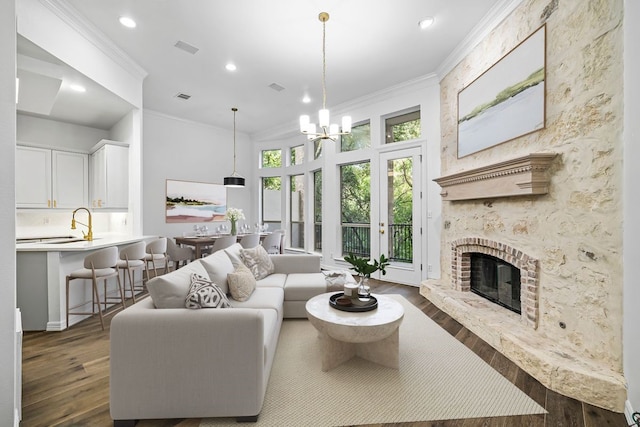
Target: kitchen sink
(67,240)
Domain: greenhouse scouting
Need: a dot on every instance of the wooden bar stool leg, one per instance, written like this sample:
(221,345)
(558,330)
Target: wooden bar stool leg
(97,296)
(132,275)
(68,280)
(121,292)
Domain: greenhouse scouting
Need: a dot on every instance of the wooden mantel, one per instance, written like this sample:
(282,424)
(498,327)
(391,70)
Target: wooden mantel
(516,177)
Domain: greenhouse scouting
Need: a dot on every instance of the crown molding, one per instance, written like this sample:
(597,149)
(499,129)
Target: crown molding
(498,13)
(87,30)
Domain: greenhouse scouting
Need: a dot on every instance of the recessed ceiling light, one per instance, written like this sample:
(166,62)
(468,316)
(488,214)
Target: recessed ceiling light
(127,22)
(77,88)
(306,99)
(426,22)
(230,67)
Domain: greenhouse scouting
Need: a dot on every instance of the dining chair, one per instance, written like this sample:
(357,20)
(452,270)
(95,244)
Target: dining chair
(250,240)
(100,264)
(283,234)
(223,242)
(271,243)
(156,250)
(179,254)
(132,259)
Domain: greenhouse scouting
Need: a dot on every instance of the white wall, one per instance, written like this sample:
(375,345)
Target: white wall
(55,134)
(8,358)
(188,151)
(631,250)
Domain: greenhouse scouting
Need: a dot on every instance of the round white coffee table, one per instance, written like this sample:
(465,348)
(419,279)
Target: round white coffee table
(372,335)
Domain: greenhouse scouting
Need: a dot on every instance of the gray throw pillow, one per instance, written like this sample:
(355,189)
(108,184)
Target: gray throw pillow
(258,261)
(205,294)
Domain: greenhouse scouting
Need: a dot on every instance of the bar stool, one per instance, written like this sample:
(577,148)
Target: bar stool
(156,250)
(100,264)
(131,259)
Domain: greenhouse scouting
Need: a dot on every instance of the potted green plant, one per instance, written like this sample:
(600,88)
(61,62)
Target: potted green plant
(365,267)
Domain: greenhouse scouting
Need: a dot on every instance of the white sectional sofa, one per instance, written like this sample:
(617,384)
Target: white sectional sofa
(168,361)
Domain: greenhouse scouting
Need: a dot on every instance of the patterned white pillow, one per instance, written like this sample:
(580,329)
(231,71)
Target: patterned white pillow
(205,294)
(258,261)
(241,283)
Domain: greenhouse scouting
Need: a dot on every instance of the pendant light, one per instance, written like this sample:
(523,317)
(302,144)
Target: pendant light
(234,180)
(325,129)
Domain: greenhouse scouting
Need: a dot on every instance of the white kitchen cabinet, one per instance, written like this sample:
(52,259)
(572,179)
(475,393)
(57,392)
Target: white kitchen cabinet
(50,178)
(109,164)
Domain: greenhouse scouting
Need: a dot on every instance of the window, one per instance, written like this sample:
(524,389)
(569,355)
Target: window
(402,128)
(297,211)
(317,211)
(271,212)
(317,149)
(355,208)
(297,155)
(271,158)
(360,137)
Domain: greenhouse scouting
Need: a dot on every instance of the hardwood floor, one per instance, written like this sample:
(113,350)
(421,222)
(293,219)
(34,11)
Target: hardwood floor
(66,379)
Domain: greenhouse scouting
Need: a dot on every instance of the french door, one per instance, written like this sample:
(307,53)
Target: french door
(399,224)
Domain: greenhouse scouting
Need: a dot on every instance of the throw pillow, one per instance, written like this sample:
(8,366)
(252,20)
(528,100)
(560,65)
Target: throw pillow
(171,289)
(218,265)
(258,261)
(241,283)
(205,294)
(233,252)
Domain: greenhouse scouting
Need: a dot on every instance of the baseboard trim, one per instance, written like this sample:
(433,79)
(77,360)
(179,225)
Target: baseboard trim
(628,412)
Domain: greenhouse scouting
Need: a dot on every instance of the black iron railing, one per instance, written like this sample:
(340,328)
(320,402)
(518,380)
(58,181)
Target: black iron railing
(356,239)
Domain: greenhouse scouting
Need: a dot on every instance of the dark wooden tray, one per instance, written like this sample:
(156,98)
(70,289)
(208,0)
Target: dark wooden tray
(356,305)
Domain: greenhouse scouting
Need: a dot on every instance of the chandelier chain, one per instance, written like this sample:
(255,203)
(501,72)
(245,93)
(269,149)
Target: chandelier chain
(234,139)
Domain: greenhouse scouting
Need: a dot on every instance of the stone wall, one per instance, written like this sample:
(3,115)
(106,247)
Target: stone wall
(575,231)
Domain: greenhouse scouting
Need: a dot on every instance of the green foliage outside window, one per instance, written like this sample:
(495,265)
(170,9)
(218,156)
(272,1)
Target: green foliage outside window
(360,137)
(402,183)
(272,158)
(355,193)
(406,131)
(271,183)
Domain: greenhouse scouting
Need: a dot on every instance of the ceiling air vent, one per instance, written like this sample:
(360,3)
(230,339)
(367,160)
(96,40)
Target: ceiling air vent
(186,47)
(183,96)
(276,87)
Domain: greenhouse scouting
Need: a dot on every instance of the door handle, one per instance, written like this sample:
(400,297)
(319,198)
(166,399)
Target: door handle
(382,231)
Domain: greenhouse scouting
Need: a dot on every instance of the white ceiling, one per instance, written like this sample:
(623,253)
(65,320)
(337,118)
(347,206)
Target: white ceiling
(370,46)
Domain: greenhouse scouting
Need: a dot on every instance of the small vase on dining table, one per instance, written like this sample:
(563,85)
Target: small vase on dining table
(234,231)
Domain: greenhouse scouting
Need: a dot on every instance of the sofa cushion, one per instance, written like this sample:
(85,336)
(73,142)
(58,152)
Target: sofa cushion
(205,294)
(170,290)
(303,286)
(241,283)
(273,280)
(258,261)
(272,298)
(233,252)
(218,265)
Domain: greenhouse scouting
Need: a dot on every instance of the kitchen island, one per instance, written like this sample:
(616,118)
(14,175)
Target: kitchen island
(41,270)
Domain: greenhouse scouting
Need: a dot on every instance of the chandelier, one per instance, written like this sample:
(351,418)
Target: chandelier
(325,130)
(234,180)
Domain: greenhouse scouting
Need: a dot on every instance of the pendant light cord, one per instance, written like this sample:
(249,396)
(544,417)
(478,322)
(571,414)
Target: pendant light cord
(234,109)
(324,19)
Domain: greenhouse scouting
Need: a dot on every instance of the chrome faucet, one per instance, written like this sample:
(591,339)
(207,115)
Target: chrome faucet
(89,235)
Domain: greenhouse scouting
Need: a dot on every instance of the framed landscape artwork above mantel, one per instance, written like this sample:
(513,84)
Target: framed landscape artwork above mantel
(506,101)
(189,201)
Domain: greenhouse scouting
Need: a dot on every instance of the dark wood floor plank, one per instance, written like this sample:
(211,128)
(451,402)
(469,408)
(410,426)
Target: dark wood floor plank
(563,411)
(598,417)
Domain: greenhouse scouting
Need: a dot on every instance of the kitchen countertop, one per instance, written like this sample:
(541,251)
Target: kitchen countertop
(74,244)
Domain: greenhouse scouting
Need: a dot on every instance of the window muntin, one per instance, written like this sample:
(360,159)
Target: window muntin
(402,128)
(271,158)
(355,208)
(359,138)
(296,205)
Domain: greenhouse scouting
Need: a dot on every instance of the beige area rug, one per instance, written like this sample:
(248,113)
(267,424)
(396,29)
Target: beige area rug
(439,378)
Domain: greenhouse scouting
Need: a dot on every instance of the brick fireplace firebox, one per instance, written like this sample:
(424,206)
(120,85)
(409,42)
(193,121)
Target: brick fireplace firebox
(461,251)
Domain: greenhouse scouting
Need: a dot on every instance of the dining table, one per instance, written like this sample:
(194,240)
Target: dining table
(201,242)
